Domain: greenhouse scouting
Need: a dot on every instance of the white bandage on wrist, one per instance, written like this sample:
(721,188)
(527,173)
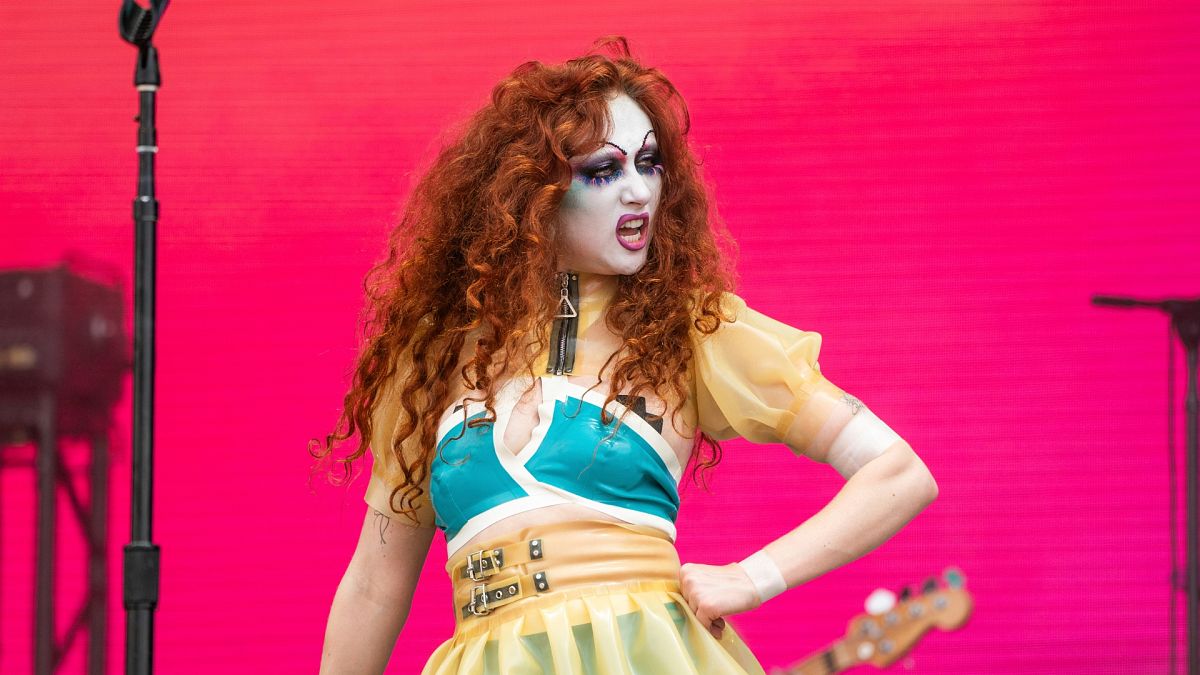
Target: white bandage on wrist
(764,574)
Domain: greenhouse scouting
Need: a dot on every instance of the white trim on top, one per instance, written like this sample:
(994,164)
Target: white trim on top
(553,497)
(621,513)
(553,391)
(497,513)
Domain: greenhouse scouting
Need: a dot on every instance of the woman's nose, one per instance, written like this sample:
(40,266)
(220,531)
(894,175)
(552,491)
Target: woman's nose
(636,189)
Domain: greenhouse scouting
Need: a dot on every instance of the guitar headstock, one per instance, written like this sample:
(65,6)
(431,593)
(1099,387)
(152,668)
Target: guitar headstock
(881,639)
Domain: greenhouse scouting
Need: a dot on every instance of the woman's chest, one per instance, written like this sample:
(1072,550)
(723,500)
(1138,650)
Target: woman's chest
(557,433)
(553,441)
(563,419)
(565,410)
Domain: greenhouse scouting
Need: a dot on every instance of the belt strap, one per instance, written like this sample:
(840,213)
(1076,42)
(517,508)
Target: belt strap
(488,562)
(487,598)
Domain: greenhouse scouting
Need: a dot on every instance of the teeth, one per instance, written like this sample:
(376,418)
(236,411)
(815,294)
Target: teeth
(630,235)
(632,230)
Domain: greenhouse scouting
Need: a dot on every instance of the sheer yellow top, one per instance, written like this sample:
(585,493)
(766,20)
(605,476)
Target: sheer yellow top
(754,377)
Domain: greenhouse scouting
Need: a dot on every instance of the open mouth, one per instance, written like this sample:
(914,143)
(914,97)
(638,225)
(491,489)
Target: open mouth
(632,231)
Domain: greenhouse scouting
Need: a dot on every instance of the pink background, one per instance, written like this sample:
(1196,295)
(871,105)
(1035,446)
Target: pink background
(937,187)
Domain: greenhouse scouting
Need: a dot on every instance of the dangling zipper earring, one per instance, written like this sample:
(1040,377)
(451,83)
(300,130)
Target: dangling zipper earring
(566,327)
(565,309)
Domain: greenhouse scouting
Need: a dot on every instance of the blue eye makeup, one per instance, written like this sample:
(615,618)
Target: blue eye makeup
(649,162)
(602,172)
(607,169)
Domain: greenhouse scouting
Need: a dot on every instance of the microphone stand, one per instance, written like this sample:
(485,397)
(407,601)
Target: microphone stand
(1185,319)
(137,26)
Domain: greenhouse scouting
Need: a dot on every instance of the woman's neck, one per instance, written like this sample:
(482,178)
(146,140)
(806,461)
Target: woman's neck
(597,287)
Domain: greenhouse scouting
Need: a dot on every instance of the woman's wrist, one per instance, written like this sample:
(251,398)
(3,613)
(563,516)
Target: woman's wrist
(764,574)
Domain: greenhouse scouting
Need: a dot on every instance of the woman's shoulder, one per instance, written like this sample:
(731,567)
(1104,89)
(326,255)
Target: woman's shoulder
(714,307)
(727,323)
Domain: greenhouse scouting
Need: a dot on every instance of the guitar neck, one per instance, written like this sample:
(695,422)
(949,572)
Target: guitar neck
(881,637)
(828,661)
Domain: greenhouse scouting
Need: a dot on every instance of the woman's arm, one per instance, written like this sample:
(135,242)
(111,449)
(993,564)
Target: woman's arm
(878,500)
(375,594)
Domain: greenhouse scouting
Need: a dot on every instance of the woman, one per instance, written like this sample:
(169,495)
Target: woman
(551,341)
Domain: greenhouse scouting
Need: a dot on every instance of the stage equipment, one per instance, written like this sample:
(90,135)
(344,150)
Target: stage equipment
(63,356)
(1185,319)
(137,25)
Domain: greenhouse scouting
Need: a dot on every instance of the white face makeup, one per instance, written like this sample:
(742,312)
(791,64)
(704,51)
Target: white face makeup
(605,216)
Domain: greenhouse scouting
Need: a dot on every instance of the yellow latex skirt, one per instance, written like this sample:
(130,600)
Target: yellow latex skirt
(611,607)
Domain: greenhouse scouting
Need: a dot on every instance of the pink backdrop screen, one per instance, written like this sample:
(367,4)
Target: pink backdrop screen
(936,187)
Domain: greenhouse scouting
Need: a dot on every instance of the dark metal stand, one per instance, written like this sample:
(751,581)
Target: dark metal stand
(51,476)
(137,26)
(1185,318)
(63,356)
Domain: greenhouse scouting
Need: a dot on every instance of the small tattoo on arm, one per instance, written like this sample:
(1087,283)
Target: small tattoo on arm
(855,404)
(382,522)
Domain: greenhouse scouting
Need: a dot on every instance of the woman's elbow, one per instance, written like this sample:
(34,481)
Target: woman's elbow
(920,485)
(929,489)
(925,487)
(901,472)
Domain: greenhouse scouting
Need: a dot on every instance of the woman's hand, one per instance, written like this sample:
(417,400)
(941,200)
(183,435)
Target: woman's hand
(714,592)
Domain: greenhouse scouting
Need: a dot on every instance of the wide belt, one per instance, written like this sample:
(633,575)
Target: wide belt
(557,557)
(484,564)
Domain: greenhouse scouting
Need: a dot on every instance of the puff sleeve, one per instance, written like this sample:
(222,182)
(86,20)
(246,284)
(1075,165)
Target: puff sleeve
(385,467)
(758,378)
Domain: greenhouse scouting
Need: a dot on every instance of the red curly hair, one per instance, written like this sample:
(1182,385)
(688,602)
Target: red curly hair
(476,254)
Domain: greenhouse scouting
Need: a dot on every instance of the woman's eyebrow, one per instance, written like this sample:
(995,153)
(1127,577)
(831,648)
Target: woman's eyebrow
(619,148)
(622,150)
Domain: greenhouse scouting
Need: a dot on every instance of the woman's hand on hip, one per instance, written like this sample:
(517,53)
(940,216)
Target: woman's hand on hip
(714,592)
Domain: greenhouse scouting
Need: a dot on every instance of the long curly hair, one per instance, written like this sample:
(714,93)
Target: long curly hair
(474,257)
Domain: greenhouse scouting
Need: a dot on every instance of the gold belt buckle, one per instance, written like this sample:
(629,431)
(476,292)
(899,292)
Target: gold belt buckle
(484,563)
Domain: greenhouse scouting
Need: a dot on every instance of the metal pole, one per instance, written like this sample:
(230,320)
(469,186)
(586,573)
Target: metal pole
(1193,515)
(137,26)
(98,559)
(44,656)
(1185,319)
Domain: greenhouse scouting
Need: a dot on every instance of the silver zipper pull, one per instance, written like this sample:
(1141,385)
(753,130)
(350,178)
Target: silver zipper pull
(565,309)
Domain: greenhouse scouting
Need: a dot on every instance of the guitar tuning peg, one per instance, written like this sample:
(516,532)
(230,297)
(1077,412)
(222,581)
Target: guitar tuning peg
(880,601)
(905,593)
(930,585)
(954,577)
